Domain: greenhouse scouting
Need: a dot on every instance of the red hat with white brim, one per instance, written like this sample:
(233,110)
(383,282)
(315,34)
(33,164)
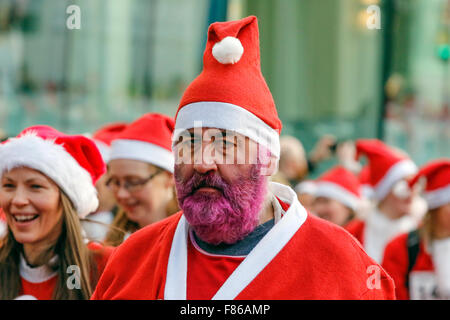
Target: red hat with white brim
(73,162)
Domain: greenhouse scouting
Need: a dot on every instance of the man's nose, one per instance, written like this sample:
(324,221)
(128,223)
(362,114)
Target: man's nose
(205,158)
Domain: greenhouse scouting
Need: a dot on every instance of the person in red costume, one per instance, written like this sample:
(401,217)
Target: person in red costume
(337,196)
(419,261)
(48,184)
(238,235)
(391,215)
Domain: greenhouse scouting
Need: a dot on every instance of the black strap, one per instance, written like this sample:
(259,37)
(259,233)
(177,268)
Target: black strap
(413,250)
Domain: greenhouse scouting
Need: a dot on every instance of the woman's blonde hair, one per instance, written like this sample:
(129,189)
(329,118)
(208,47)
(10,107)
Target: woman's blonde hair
(427,230)
(71,251)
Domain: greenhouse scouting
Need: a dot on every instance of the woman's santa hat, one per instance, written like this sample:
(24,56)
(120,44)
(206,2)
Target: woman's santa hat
(73,162)
(437,182)
(105,135)
(341,185)
(147,139)
(231,93)
(306,187)
(387,166)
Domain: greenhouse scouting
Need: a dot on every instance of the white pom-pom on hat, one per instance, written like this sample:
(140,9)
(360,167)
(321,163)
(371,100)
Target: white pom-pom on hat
(228,51)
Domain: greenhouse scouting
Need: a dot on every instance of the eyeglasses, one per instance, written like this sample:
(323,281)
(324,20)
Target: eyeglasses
(131,186)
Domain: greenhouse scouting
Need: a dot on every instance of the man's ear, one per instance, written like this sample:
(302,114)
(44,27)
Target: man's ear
(271,167)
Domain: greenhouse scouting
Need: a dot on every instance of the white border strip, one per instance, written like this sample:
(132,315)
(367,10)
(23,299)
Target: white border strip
(36,275)
(398,171)
(176,276)
(227,116)
(334,191)
(142,151)
(438,197)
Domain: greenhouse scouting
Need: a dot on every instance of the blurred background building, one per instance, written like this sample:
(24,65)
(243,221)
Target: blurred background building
(327,70)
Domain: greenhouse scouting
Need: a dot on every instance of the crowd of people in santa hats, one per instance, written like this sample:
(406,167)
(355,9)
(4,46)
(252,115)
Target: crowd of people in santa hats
(213,204)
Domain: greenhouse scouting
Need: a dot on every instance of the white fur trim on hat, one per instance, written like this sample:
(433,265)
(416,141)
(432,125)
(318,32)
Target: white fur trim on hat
(55,162)
(397,172)
(142,151)
(104,149)
(228,51)
(227,116)
(438,197)
(308,187)
(338,193)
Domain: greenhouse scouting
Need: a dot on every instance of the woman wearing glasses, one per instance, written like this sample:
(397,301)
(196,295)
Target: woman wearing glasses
(140,175)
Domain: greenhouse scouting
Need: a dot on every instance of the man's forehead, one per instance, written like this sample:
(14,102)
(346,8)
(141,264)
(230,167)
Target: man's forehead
(211,130)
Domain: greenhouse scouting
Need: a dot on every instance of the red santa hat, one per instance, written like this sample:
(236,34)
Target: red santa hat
(231,93)
(387,165)
(341,185)
(73,162)
(437,182)
(146,139)
(105,135)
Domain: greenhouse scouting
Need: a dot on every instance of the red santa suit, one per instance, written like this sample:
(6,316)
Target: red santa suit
(386,170)
(40,282)
(429,276)
(301,257)
(421,283)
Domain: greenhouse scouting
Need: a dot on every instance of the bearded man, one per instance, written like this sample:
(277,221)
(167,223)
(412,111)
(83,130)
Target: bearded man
(238,235)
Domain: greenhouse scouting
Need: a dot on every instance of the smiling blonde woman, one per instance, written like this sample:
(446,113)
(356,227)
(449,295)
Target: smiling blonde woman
(47,186)
(140,171)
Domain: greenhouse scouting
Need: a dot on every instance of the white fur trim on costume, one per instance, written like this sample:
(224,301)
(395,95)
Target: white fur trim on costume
(228,51)
(37,274)
(336,192)
(397,172)
(55,162)
(226,116)
(438,197)
(379,230)
(142,151)
(263,253)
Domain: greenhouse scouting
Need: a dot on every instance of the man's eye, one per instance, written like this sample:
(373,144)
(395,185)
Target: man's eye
(8,185)
(36,186)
